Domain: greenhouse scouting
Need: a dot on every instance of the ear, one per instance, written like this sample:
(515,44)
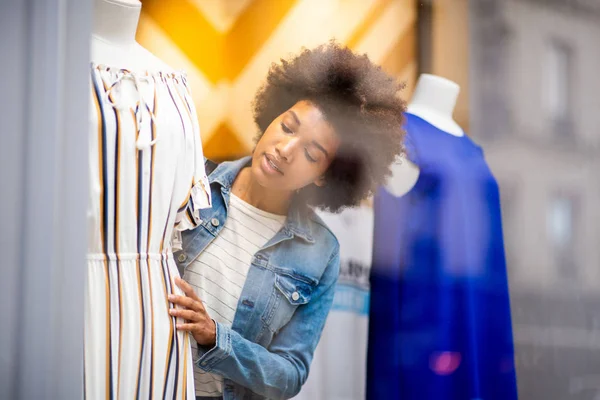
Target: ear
(320,182)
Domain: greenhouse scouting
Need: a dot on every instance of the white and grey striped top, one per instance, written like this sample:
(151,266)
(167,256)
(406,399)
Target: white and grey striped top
(219,272)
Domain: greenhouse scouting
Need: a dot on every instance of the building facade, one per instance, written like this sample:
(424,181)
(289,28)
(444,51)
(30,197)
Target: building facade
(535,109)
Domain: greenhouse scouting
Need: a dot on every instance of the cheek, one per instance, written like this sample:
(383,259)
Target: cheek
(271,133)
(260,144)
(263,145)
(306,173)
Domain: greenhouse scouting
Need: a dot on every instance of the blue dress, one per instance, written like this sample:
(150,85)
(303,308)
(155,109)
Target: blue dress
(440,325)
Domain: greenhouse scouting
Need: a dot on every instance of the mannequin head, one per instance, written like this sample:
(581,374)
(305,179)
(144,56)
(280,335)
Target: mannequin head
(330,126)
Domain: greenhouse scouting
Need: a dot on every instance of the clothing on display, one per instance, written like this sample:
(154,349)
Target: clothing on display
(219,273)
(146,178)
(339,367)
(440,325)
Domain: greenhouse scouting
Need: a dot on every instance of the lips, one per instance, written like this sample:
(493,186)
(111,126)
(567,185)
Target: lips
(273,163)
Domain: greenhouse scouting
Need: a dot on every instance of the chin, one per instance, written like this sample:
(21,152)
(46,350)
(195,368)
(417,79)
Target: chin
(259,176)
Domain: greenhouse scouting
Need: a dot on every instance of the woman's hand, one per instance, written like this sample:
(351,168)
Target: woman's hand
(197,321)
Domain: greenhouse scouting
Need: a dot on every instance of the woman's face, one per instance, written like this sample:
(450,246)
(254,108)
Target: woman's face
(295,150)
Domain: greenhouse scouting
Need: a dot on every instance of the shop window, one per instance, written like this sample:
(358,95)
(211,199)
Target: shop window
(561,224)
(557,86)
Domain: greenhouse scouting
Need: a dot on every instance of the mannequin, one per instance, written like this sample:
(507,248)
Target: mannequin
(146,181)
(433,100)
(113,37)
(438,269)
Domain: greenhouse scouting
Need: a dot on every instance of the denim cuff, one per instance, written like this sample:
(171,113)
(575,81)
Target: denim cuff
(208,358)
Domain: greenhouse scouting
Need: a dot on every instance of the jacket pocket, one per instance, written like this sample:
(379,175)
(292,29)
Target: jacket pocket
(289,292)
(295,289)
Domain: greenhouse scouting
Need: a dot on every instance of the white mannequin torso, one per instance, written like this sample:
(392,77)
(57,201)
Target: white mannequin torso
(113,38)
(133,151)
(433,101)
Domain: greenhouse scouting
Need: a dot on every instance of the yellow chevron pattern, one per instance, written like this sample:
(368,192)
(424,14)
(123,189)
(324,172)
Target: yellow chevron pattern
(227,46)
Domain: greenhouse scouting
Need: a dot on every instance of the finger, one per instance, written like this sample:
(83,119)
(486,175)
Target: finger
(186,314)
(190,304)
(183,301)
(185,327)
(186,288)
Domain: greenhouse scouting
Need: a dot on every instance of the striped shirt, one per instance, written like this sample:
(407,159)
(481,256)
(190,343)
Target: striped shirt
(219,272)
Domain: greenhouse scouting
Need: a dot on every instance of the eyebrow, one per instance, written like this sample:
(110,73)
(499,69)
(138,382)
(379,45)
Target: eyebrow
(295,117)
(318,146)
(314,143)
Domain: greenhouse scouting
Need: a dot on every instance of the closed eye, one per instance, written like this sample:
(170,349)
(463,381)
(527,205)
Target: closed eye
(285,128)
(308,157)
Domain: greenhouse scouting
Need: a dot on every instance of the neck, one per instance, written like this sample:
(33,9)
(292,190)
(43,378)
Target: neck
(246,188)
(434,100)
(436,94)
(115,21)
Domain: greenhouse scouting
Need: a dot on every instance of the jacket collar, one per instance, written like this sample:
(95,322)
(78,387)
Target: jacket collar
(298,221)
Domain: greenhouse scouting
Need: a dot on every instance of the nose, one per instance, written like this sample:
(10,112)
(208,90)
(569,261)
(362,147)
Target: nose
(286,147)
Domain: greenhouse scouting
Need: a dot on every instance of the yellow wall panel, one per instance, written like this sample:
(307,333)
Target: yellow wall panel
(224,144)
(226,51)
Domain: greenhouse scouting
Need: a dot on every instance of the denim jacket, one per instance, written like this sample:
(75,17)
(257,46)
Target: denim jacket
(280,315)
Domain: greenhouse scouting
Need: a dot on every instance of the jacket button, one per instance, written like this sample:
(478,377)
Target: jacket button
(295,296)
(182,257)
(214,222)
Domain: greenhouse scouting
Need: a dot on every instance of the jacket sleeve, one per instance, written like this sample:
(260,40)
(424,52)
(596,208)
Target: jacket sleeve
(277,372)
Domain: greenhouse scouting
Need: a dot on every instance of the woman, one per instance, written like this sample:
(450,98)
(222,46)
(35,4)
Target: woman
(261,268)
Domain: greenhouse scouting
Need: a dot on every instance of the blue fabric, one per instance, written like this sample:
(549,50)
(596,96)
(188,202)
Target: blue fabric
(440,325)
(288,292)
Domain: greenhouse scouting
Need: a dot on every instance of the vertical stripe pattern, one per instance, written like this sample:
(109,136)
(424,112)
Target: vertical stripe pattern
(137,194)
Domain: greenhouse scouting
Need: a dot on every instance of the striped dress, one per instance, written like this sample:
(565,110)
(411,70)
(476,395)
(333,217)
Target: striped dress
(146,178)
